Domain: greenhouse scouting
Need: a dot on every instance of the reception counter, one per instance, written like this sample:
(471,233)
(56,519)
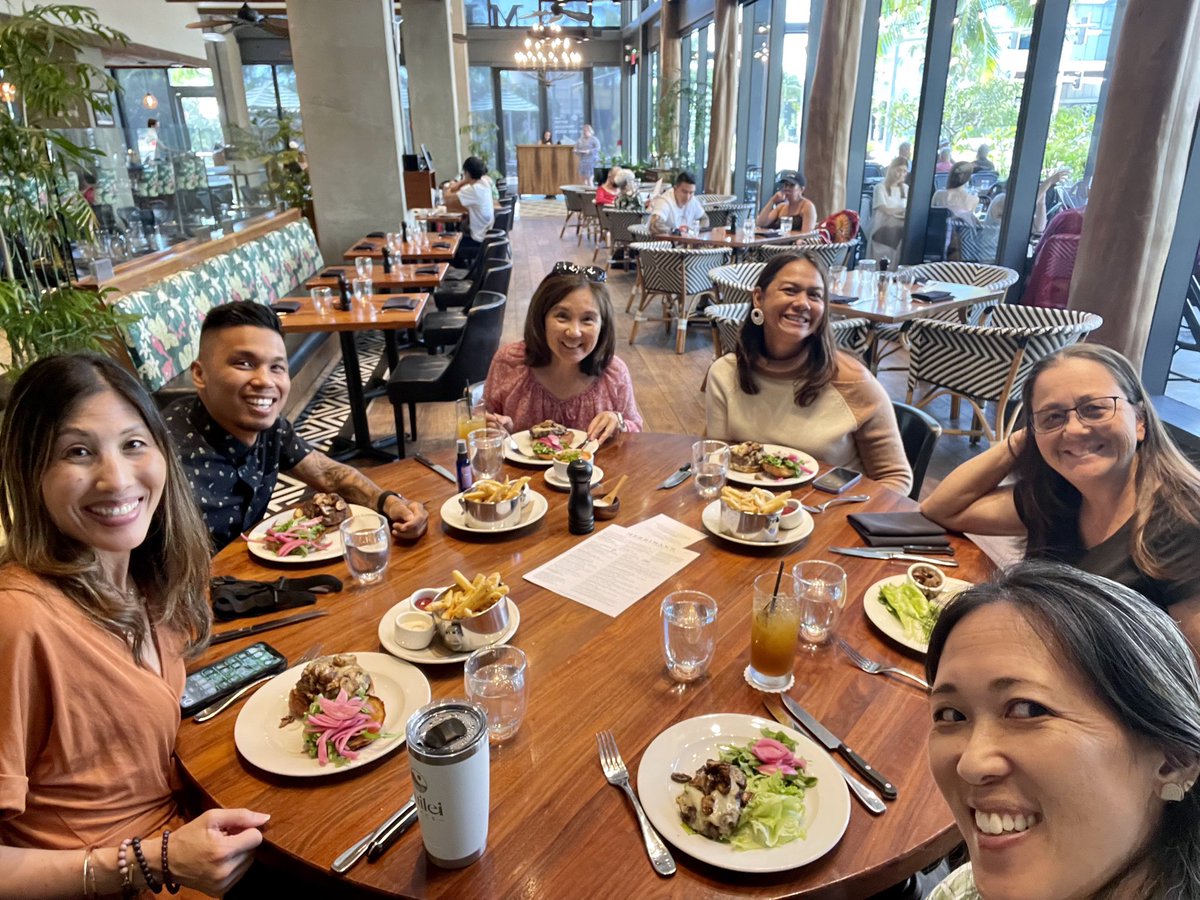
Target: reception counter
(544,168)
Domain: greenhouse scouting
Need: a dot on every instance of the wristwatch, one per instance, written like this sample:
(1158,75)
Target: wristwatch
(383,499)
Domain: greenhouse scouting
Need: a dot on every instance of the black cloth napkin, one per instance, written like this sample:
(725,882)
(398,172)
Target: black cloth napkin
(330,273)
(363,246)
(426,270)
(400,303)
(898,529)
(442,246)
(376,234)
(233,598)
(842,298)
(932,296)
(286,306)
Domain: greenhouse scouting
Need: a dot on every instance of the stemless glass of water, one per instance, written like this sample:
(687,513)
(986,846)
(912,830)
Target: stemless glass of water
(867,270)
(364,290)
(689,633)
(785,224)
(486,448)
(363,266)
(495,679)
(710,466)
(821,587)
(837,278)
(366,545)
(322,300)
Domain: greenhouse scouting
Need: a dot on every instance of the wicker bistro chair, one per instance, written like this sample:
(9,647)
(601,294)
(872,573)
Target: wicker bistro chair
(719,213)
(851,335)
(680,278)
(988,362)
(589,218)
(635,249)
(713,199)
(616,224)
(829,254)
(735,283)
(572,195)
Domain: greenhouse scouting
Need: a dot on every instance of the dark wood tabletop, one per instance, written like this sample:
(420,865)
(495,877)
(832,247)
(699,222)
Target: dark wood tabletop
(357,319)
(402,277)
(409,251)
(557,828)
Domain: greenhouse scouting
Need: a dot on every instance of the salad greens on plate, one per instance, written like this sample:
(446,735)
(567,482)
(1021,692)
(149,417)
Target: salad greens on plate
(915,612)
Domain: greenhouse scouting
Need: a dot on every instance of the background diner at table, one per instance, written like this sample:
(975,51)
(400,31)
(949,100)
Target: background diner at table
(789,202)
(677,210)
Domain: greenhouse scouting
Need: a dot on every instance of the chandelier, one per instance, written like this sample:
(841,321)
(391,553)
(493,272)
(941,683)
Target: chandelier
(547,48)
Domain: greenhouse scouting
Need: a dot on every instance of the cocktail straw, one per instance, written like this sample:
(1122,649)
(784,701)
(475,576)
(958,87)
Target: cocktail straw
(775,593)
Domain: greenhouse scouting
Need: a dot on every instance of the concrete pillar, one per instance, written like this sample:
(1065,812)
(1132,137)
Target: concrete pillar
(458,17)
(345,60)
(433,83)
(225,60)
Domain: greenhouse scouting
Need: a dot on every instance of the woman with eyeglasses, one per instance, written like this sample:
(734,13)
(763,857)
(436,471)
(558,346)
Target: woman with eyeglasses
(566,368)
(1097,483)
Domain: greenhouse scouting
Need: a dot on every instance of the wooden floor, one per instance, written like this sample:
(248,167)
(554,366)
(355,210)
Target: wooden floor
(667,385)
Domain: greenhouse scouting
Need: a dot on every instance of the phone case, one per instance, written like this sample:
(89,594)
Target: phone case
(208,685)
(836,486)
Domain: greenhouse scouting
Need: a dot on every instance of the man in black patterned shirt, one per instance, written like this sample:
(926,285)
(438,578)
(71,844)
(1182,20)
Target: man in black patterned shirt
(233,439)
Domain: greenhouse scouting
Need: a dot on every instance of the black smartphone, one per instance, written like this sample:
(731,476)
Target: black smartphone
(837,480)
(208,685)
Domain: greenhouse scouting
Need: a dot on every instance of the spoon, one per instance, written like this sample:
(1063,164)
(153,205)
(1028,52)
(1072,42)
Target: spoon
(606,507)
(854,498)
(612,495)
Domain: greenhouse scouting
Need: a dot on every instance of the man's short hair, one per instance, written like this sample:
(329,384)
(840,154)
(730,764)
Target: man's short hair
(474,166)
(685,178)
(240,313)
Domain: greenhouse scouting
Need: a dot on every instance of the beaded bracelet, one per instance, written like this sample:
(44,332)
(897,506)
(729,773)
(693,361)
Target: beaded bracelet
(172,886)
(151,882)
(127,888)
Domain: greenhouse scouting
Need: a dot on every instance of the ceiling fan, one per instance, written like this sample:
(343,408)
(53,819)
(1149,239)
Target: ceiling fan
(555,14)
(245,16)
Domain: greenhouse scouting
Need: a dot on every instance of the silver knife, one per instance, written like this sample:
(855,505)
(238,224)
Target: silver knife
(868,797)
(833,742)
(267,626)
(879,553)
(441,470)
(680,475)
(389,835)
(348,858)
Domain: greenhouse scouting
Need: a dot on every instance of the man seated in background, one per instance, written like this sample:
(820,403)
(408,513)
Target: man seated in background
(234,440)
(471,194)
(678,208)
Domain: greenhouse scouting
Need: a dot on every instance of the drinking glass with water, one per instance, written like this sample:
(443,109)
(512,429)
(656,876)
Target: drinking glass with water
(495,679)
(366,545)
(821,587)
(486,446)
(710,467)
(363,266)
(689,633)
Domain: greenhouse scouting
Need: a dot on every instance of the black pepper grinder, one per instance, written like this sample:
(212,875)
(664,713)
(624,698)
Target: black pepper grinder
(404,232)
(387,261)
(343,293)
(579,508)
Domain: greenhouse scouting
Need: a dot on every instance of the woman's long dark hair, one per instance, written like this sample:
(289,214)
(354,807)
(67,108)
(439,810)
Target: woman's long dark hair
(820,361)
(555,288)
(170,568)
(1137,663)
(1167,485)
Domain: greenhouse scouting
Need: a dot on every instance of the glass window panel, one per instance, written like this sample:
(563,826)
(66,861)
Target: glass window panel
(483,112)
(519,112)
(1183,382)
(135,84)
(260,90)
(566,112)
(405,110)
(606,110)
(203,118)
(791,100)
(797,12)
(755,66)
(188,77)
(652,106)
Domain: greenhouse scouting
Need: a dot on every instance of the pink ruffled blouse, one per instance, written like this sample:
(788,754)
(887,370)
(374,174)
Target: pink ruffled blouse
(511,390)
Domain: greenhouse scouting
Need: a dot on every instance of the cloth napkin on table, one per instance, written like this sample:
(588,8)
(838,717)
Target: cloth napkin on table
(425,270)
(932,296)
(330,273)
(842,298)
(441,246)
(363,246)
(233,598)
(376,234)
(286,306)
(400,303)
(897,529)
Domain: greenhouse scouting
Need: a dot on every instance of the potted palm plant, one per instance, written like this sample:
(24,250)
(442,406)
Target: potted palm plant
(42,309)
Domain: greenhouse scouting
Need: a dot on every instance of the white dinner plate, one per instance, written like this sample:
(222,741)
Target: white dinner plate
(437,652)
(333,535)
(401,687)
(711,517)
(563,484)
(523,452)
(762,479)
(453,515)
(685,746)
(881,617)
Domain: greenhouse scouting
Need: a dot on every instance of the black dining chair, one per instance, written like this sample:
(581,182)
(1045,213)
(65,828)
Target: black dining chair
(440,378)
(919,433)
(459,293)
(442,327)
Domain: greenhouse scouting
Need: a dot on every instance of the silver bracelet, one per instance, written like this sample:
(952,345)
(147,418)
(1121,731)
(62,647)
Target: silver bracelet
(620,420)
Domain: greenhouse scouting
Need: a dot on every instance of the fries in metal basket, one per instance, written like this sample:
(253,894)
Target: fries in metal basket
(468,598)
(756,500)
(489,491)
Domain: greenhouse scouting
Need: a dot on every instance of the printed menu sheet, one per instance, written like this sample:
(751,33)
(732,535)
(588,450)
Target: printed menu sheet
(613,569)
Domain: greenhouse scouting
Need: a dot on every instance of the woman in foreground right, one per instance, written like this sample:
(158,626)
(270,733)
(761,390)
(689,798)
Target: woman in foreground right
(1066,740)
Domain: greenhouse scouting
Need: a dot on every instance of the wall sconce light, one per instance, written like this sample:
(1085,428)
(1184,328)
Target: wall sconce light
(150,101)
(8,92)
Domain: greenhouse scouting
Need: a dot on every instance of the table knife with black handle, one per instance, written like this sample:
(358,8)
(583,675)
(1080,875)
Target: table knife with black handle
(833,742)
(267,626)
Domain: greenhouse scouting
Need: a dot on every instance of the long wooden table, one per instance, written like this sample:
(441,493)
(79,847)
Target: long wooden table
(409,251)
(557,829)
(403,277)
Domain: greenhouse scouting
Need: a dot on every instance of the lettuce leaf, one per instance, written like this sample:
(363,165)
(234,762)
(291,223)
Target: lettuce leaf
(774,816)
(913,610)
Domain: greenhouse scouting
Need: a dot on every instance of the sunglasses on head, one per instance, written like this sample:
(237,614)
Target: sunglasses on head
(591,273)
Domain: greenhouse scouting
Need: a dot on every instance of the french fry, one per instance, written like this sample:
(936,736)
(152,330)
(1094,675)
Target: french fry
(756,501)
(468,598)
(489,491)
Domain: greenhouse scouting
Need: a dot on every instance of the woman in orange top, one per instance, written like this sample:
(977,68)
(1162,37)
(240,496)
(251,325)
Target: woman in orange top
(96,617)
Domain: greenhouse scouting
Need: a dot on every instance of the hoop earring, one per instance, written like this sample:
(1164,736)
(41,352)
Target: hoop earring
(756,316)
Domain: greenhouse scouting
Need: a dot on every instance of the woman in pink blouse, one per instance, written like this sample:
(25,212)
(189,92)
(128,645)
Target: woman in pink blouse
(565,369)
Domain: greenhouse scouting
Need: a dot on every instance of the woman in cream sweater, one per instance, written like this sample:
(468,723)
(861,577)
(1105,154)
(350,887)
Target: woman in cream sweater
(788,384)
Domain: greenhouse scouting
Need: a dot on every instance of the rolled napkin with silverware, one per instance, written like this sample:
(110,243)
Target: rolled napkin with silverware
(897,529)
(233,598)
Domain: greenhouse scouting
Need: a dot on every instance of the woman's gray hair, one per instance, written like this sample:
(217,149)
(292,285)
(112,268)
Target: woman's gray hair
(1138,664)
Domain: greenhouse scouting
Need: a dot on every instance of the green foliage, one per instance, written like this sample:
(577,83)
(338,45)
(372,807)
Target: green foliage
(276,140)
(1069,140)
(40,311)
(481,138)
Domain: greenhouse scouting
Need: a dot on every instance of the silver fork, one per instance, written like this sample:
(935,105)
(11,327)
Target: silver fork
(872,667)
(616,773)
(820,508)
(221,705)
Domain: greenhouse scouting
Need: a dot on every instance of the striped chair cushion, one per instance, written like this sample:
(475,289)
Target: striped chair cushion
(713,199)
(680,270)
(853,335)
(617,223)
(736,282)
(641,233)
(829,254)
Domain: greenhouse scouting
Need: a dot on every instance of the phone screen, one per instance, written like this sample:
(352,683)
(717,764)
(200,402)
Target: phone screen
(837,480)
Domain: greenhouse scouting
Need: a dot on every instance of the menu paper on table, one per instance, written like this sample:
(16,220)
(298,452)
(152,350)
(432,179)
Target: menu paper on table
(665,530)
(611,570)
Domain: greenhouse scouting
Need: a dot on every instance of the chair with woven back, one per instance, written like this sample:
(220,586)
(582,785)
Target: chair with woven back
(589,218)
(635,250)
(573,199)
(679,277)
(719,214)
(829,254)
(616,223)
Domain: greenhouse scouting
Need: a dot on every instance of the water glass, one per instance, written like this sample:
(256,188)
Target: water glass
(486,449)
(366,545)
(495,679)
(774,628)
(868,271)
(322,300)
(689,633)
(785,224)
(710,466)
(821,587)
(364,265)
(837,278)
(392,241)
(364,290)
